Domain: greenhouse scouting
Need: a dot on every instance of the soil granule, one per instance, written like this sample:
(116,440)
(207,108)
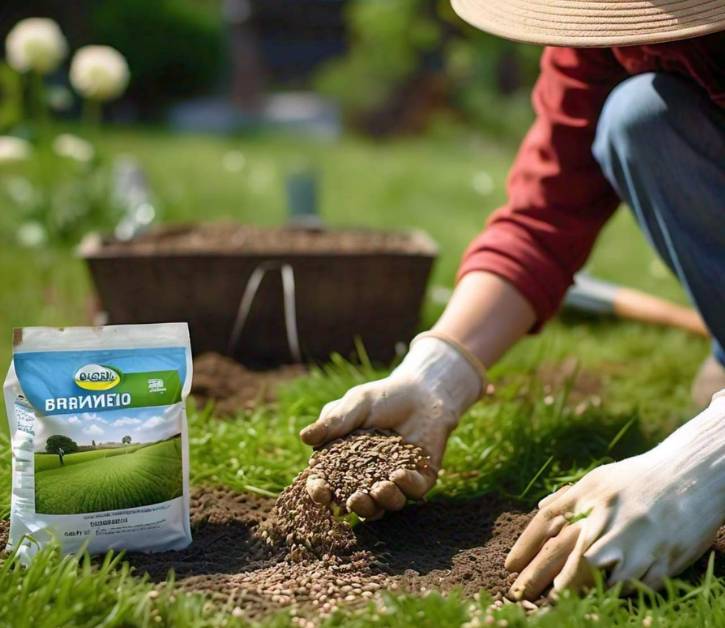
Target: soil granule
(232,237)
(232,387)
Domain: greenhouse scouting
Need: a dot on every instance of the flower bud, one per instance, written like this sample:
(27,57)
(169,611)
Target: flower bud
(99,72)
(35,44)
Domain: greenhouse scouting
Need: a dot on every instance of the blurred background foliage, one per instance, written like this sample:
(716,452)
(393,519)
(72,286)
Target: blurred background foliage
(394,66)
(175,48)
(409,61)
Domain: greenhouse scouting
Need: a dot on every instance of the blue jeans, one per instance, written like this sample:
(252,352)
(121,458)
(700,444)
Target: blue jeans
(661,144)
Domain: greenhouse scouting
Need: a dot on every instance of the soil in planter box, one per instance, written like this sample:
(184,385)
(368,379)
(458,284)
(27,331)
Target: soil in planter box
(232,387)
(221,236)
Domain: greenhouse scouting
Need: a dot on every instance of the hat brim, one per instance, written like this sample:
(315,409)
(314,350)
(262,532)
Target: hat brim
(594,23)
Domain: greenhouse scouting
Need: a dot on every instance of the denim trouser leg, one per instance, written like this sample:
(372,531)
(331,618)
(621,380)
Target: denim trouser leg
(661,144)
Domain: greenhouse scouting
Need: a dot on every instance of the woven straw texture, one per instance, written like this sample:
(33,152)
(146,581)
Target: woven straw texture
(594,23)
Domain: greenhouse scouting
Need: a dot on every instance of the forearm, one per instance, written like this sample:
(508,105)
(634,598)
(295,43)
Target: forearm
(487,315)
(695,453)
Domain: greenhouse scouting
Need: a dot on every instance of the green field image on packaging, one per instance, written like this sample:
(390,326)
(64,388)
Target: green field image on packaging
(108,478)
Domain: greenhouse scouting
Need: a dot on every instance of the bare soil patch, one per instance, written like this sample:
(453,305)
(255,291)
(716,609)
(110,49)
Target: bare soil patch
(438,545)
(296,553)
(232,387)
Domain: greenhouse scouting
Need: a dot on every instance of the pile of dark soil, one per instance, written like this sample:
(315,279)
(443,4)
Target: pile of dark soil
(439,545)
(298,553)
(232,387)
(225,236)
(306,528)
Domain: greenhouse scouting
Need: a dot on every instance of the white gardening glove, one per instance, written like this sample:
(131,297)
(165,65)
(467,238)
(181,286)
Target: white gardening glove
(645,518)
(422,400)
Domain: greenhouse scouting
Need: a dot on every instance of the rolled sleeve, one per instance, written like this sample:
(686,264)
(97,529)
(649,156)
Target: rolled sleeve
(558,198)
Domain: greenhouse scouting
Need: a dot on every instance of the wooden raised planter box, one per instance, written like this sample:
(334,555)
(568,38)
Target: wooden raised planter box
(348,284)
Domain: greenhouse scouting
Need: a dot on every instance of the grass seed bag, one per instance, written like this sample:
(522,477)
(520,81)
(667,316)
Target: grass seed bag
(100,448)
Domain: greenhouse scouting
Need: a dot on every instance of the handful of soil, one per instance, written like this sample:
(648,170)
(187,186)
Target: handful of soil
(362,458)
(346,465)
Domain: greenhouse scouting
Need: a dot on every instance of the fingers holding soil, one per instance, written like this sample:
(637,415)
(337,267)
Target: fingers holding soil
(314,434)
(545,525)
(413,484)
(363,464)
(318,490)
(387,495)
(547,564)
(362,504)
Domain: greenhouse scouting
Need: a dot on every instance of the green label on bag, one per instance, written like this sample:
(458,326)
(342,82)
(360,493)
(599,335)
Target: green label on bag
(105,387)
(159,388)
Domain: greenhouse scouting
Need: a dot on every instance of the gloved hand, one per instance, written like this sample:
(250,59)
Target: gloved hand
(422,400)
(645,518)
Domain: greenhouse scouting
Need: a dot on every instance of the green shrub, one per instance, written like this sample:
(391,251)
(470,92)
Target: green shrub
(173,47)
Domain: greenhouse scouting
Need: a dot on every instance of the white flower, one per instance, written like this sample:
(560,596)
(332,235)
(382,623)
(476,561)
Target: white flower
(37,44)
(31,234)
(13,149)
(73,147)
(99,72)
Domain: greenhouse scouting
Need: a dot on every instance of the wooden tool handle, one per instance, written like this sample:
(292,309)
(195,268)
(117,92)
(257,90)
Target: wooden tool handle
(640,306)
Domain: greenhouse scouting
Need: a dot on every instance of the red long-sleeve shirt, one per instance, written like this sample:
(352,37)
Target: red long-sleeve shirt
(558,198)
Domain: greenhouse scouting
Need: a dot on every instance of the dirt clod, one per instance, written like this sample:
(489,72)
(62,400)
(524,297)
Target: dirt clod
(232,387)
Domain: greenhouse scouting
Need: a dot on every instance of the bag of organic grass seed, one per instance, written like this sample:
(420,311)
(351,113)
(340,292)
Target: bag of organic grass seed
(98,426)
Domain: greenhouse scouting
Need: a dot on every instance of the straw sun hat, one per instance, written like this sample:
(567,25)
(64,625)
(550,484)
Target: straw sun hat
(584,23)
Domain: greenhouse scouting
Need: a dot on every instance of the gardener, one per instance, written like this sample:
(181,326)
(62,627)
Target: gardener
(644,124)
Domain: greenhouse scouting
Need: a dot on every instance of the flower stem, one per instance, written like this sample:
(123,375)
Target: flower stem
(39,105)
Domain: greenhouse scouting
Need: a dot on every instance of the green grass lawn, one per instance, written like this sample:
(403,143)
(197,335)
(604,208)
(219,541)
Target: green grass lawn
(528,439)
(93,482)
(45,461)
